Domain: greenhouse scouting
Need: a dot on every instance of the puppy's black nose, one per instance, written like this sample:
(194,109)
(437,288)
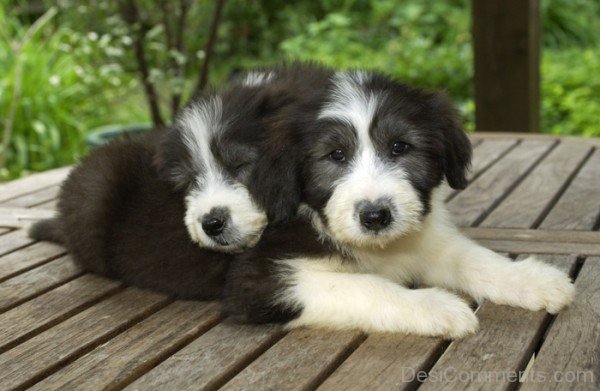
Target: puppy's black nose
(375,219)
(212,225)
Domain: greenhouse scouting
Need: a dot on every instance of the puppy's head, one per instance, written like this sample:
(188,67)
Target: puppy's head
(233,154)
(375,153)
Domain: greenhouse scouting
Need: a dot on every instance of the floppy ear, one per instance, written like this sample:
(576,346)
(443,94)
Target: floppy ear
(172,159)
(276,184)
(276,180)
(457,146)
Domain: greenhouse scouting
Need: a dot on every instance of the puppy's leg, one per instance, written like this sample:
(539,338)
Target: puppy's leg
(329,296)
(456,262)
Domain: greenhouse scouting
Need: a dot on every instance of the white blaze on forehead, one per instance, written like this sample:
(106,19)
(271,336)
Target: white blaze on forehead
(200,123)
(351,103)
(254,79)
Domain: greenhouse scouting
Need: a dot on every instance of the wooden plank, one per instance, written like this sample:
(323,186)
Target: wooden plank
(569,357)
(541,187)
(506,50)
(36,281)
(14,240)
(516,246)
(579,206)
(485,191)
(492,358)
(386,362)
(532,235)
(21,217)
(300,360)
(41,355)
(487,153)
(480,135)
(31,199)
(51,308)
(211,360)
(48,205)
(32,183)
(27,258)
(130,354)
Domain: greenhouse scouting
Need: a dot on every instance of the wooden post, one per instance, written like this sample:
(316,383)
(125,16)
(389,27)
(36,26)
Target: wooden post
(506,41)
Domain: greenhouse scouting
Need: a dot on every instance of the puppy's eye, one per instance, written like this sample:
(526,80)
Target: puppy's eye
(399,148)
(338,155)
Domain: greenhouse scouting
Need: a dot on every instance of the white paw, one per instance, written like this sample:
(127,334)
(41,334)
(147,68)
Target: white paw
(444,314)
(543,286)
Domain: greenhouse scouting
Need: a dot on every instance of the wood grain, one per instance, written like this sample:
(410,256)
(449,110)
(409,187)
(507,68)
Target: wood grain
(299,361)
(505,342)
(32,183)
(14,240)
(27,258)
(50,308)
(210,360)
(386,362)
(22,217)
(36,281)
(539,189)
(506,47)
(39,356)
(485,191)
(487,153)
(532,235)
(570,355)
(48,205)
(32,199)
(579,206)
(519,247)
(130,354)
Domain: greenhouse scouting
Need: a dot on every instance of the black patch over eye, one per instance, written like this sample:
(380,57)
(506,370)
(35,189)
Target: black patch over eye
(338,155)
(399,148)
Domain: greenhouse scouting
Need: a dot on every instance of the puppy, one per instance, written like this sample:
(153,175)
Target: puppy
(149,211)
(376,160)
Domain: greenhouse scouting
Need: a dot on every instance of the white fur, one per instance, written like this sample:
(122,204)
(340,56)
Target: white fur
(335,296)
(368,177)
(247,220)
(255,79)
(201,123)
(362,292)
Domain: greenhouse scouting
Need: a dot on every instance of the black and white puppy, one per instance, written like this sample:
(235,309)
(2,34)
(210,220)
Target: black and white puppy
(376,161)
(148,211)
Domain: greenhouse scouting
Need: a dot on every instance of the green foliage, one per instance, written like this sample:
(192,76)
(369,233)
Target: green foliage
(79,71)
(571,91)
(63,94)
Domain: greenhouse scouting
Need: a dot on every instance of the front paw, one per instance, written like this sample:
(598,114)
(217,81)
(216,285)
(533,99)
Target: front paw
(445,314)
(544,286)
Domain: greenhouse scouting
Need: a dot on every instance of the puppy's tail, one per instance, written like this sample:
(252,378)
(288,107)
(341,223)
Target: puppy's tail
(48,229)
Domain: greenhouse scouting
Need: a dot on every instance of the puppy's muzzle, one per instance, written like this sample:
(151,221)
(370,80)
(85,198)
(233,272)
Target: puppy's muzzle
(215,221)
(374,216)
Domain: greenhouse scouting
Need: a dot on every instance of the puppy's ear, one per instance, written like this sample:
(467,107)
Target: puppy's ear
(276,183)
(172,159)
(457,147)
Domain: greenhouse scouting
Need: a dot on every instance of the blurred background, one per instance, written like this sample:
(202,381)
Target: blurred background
(69,67)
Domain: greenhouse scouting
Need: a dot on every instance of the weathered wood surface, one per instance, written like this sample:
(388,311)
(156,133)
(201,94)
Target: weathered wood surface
(63,329)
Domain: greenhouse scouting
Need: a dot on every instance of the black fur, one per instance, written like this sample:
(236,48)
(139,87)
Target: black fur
(121,209)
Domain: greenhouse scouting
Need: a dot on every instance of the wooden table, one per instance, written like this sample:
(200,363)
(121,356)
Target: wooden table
(62,328)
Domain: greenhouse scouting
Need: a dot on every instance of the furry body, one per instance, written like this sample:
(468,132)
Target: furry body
(369,165)
(376,162)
